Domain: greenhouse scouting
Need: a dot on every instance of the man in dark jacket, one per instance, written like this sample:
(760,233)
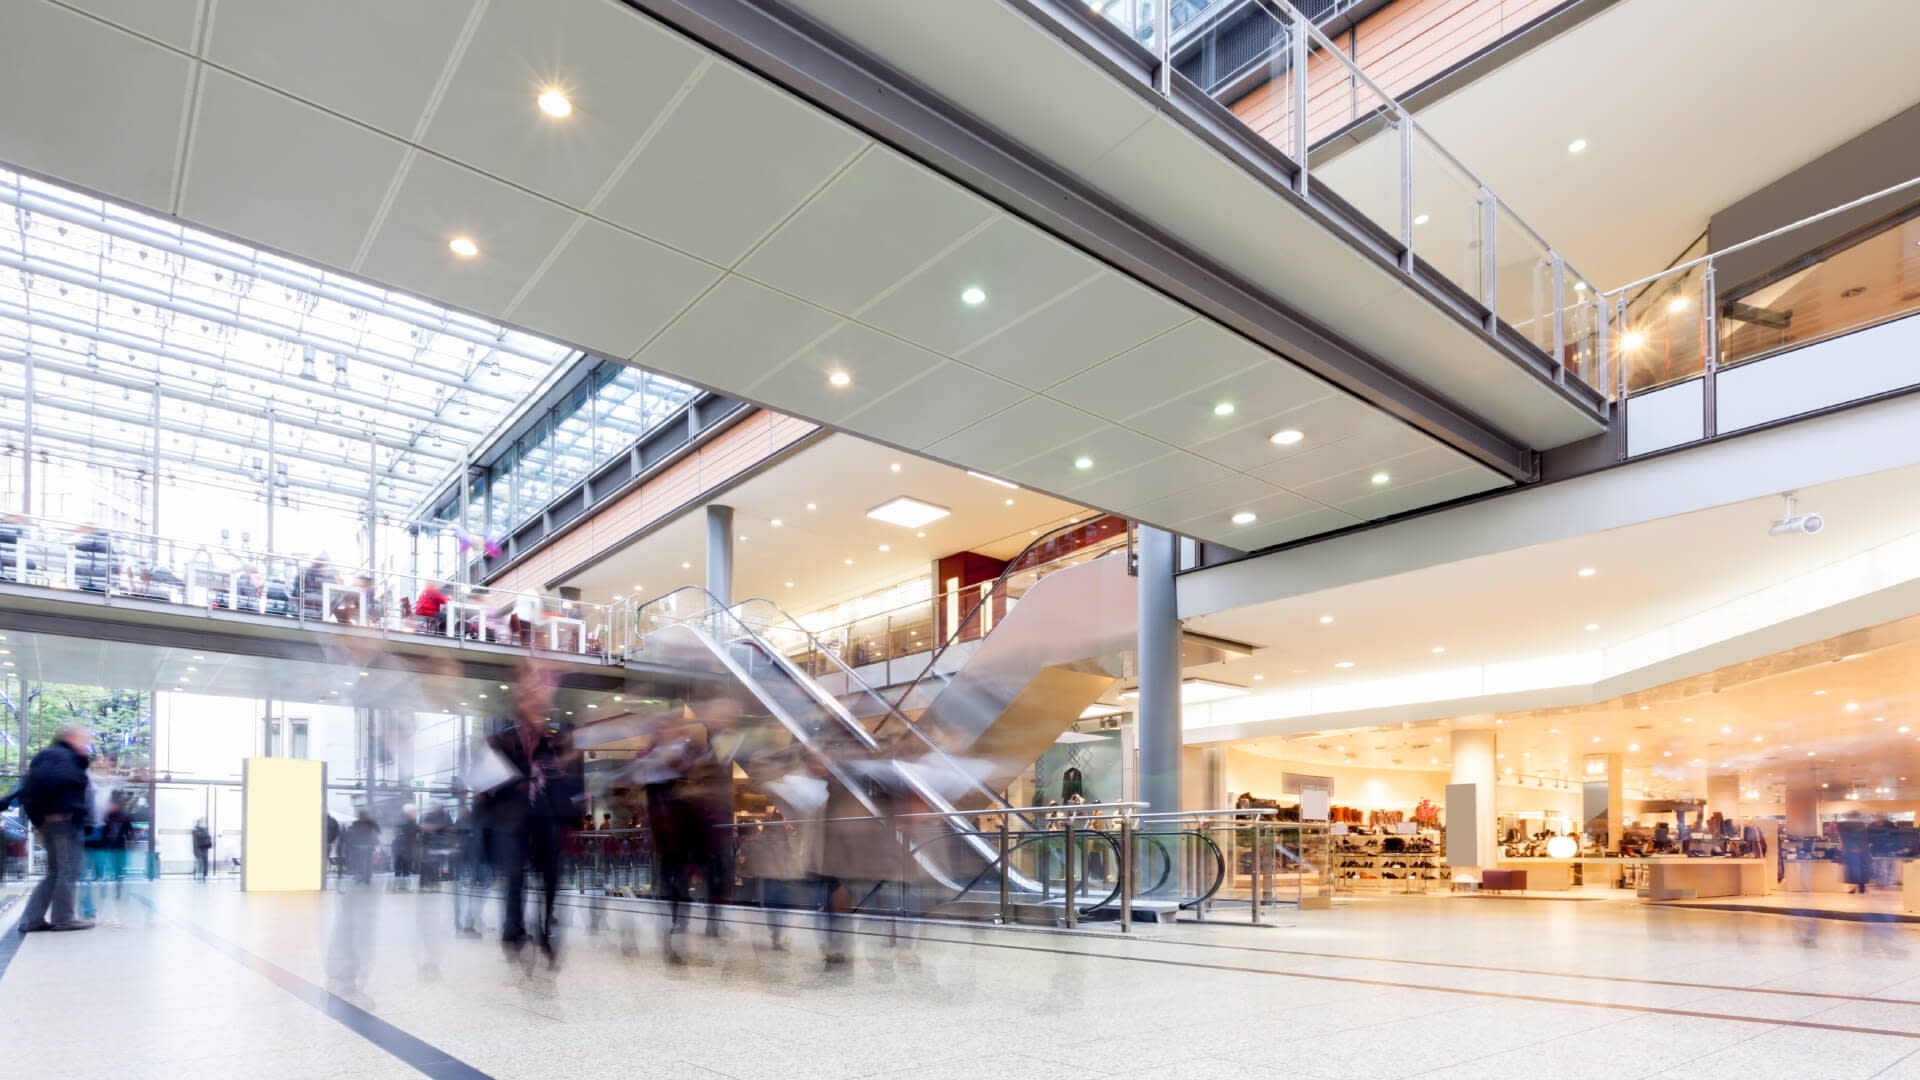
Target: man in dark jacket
(56,803)
(527,812)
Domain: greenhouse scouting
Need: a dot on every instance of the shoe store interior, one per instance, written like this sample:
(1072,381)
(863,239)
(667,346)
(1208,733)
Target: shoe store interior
(1786,783)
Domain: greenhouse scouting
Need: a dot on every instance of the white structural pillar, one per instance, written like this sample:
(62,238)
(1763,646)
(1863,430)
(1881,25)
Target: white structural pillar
(720,552)
(1158,718)
(1474,752)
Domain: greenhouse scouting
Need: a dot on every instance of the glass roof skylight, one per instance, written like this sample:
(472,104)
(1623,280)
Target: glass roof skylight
(112,303)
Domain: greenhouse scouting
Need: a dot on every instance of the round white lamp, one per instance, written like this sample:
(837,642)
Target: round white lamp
(1562,847)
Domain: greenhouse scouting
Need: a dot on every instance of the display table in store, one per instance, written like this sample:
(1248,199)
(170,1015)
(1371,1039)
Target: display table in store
(1669,877)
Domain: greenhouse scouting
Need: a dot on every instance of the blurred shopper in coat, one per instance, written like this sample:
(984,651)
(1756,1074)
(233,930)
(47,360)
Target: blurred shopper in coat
(56,804)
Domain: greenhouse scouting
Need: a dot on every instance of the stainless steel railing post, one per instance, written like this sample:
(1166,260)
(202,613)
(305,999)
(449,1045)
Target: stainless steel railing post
(1126,872)
(1006,908)
(1259,864)
(1067,877)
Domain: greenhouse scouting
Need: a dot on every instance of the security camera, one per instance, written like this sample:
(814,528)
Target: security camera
(1795,522)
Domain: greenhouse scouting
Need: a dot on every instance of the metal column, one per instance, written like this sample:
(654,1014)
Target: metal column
(1158,716)
(373,501)
(720,552)
(153,526)
(273,481)
(26,461)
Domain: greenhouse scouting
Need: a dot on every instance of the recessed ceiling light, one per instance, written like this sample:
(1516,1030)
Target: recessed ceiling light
(1819,693)
(1245,517)
(1852,707)
(1083,462)
(1666,753)
(839,378)
(1553,731)
(1285,438)
(1438,649)
(1576,146)
(1632,339)
(1687,720)
(1225,408)
(1596,738)
(1343,664)
(849,562)
(1587,571)
(686,566)
(1677,305)
(463,247)
(1421,219)
(1380,479)
(907,513)
(1325,619)
(1877,719)
(743,538)
(1009,502)
(1904,729)
(1593,626)
(554,103)
(1633,746)
(1726,731)
(789,584)
(1258,678)
(196,656)
(921,535)
(776,523)
(895,467)
(590,706)
(886,547)
(1644,708)
(973,296)
(993,480)
(1756,738)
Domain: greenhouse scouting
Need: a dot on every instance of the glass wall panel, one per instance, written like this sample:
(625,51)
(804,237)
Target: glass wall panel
(572,437)
(532,474)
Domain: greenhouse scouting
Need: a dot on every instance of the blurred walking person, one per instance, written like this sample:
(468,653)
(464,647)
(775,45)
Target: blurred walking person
(528,810)
(56,804)
(202,846)
(406,847)
(106,847)
(350,957)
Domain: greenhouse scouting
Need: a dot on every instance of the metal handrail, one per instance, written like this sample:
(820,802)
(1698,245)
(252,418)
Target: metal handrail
(1682,268)
(1013,567)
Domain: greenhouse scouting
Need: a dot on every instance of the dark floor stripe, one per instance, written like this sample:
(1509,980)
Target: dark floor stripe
(427,1058)
(10,938)
(1882,917)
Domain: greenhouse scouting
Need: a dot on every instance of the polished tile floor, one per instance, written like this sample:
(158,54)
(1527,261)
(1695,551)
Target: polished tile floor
(204,981)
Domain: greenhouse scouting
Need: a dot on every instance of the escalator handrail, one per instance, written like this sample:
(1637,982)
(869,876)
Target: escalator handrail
(893,711)
(1014,566)
(1027,838)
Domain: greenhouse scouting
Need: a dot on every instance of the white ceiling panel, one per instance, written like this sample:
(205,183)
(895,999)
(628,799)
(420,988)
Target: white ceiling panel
(732,161)
(1104,316)
(884,217)
(876,363)
(1237,490)
(1269,530)
(1398,498)
(619,71)
(253,149)
(439,200)
(1261,392)
(1108,450)
(934,406)
(1249,446)
(373,60)
(1006,438)
(1194,354)
(969,49)
(1163,477)
(171,22)
(1364,442)
(1346,489)
(120,101)
(734,334)
(1016,265)
(612,291)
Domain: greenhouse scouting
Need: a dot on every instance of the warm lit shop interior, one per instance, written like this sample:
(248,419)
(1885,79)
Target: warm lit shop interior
(1784,781)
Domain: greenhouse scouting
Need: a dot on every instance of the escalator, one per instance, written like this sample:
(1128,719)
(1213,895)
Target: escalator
(1048,637)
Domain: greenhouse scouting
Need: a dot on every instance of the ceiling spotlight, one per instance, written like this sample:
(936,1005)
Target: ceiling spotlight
(1083,462)
(1325,619)
(1633,746)
(1756,738)
(895,467)
(886,547)
(554,103)
(686,566)
(810,506)
(789,584)
(1245,517)
(1380,479)
(1852,707)
(973,296)
(1593,626)
(1438,649)
(1258,678)
(1285,438)
(849,562)
(1009,502)
(1343,664)
(839,378)
(1726,731)
(1677,305)
(1225,408)
(777,523)
(1587,571)
(463,247)
(1632,339)
(1576,146)
(1421,219)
